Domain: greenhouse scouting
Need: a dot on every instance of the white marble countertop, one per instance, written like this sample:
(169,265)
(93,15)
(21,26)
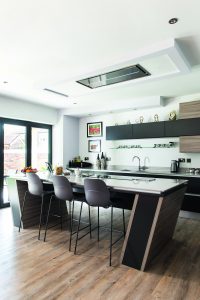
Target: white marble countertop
(135,184)
(128,183)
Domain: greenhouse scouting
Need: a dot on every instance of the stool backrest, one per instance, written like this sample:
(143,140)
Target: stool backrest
(35,186)
(62,187)
(96,192)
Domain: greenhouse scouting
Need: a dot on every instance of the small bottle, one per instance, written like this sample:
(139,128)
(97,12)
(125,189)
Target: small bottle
(103,161)
(98,162)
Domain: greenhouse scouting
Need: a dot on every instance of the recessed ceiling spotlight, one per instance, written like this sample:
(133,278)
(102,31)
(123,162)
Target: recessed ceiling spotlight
(173,20)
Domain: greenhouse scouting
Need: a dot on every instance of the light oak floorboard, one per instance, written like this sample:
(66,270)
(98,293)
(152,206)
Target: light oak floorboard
(32,269)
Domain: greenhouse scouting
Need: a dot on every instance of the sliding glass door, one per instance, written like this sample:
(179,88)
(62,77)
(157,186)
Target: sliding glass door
(14,153)
(39,147)
(22,144)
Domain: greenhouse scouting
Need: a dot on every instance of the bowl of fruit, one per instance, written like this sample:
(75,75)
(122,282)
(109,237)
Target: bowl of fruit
(29,170)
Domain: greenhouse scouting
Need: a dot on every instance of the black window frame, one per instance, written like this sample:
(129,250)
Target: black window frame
(28,125)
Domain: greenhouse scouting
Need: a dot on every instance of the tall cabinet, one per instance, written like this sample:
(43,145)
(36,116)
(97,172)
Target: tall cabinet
(190,110)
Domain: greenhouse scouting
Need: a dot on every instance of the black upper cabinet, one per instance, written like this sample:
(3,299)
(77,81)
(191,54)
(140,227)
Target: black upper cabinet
(148,130)
(182,127)
(121,132)
(173,128)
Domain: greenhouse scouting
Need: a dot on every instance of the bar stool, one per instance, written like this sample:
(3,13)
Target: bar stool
(98,195)
(35,188)
(63,192)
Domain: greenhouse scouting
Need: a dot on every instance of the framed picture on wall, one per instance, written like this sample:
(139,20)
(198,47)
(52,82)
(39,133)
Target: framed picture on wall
(94,145)
(94,129)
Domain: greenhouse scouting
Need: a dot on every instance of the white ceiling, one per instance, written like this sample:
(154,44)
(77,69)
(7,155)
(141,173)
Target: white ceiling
(47,43)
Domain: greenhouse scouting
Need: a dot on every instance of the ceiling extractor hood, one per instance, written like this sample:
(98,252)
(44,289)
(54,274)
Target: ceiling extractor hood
(116,76)
(156,62)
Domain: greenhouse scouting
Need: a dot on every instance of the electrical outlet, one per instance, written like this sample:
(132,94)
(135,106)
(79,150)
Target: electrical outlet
(181,160)
(189,160)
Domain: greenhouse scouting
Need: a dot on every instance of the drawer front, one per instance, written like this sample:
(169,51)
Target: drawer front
(191,203)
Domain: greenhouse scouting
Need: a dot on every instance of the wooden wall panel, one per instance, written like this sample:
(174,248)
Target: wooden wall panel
(189,110)
(190,144)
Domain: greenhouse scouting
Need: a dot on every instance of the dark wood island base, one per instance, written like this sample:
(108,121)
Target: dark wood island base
(151,225)
(16,192)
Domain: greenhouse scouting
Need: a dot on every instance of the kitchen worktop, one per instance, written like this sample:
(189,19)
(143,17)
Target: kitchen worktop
(136,184)
(134,170)
(128,183)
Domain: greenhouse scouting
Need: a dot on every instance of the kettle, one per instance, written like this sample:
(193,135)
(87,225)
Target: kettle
(174,166)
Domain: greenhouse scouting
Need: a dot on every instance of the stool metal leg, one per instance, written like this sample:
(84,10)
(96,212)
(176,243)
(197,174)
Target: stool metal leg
(98,225)
(79,221)
(124,226)
(47,220)
(111,227)
(90,221)
(71,212)
(60,211)
(22,214)
(41,211)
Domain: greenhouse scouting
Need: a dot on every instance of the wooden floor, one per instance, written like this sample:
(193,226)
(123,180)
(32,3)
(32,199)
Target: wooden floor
(31,269)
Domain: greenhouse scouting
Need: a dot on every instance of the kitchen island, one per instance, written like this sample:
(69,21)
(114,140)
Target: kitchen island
(155,208)
(191,202)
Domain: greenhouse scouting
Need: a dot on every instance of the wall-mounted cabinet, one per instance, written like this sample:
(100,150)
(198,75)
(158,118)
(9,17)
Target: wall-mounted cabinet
(190,144)
(136,131)
(120,132)
(148,130)
(189,110)
(183,127)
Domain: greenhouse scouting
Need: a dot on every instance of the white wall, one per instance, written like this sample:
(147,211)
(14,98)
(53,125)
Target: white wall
(70,139)
(65,140)
(158,157)
(21,110)
(57,133)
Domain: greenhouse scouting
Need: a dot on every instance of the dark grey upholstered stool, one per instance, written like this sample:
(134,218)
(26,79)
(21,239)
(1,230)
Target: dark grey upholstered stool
(35,188)
(63,192)
(98,195)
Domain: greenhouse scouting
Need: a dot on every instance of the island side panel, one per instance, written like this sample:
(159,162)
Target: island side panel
(16,192)
(165,225)
(32,205)
(140,224)
(13,198)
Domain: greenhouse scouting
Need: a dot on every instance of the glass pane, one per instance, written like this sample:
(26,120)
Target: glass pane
(40,148)
(14,152)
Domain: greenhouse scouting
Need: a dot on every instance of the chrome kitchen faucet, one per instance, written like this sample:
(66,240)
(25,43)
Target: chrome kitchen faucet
(135,156)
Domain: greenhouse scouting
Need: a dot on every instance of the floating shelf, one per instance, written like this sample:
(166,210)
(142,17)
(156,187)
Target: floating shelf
(155,146)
